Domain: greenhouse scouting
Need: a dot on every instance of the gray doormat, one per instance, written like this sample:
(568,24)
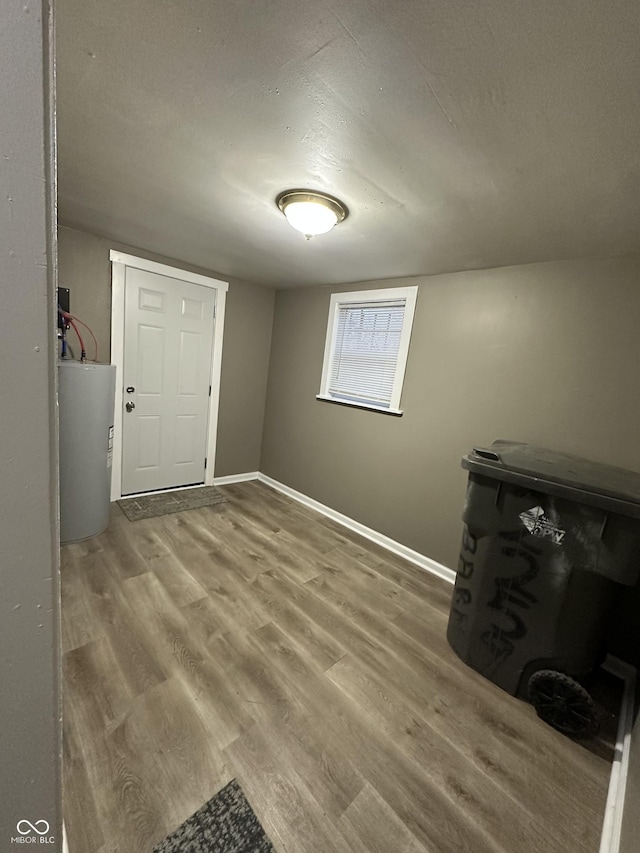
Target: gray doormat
(162,503)
(226,824)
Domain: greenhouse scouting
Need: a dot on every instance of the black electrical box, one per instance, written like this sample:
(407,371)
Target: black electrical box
(63,302)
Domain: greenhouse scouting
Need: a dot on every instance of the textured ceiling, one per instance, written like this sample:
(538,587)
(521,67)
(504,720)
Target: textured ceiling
(460,135)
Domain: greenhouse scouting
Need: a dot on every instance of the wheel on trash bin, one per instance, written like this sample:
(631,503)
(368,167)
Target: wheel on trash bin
(563,703)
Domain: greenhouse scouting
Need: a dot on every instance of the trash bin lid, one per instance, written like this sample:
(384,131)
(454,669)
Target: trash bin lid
(560,474)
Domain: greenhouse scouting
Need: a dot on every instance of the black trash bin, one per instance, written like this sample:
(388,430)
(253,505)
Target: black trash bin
(549,542)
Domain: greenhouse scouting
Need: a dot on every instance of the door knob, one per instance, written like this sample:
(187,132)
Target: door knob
(130,389)
(130,407)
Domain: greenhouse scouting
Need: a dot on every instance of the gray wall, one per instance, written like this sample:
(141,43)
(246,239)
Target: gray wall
(29,611)
(545,353)
(85,269)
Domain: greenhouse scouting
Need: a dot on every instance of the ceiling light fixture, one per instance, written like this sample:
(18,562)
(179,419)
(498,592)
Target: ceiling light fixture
(311,212)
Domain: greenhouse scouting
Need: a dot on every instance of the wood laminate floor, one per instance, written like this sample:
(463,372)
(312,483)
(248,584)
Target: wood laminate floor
(261,641)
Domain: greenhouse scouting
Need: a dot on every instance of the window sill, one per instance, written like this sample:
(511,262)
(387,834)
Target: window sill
(396,413)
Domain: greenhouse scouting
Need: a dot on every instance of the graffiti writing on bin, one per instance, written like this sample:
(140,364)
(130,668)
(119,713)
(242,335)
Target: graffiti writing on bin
(538,524)
(461,594)
(512,597)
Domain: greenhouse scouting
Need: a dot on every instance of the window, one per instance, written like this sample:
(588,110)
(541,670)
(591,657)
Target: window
(366,348)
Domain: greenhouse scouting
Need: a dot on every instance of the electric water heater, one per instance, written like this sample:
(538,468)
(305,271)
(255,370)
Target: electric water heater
(86,394)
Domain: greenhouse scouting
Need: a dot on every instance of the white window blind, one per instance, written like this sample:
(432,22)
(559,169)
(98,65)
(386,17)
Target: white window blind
(365,355)
(367,346)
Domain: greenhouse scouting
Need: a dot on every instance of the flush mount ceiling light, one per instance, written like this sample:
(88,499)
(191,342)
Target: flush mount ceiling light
(311,212)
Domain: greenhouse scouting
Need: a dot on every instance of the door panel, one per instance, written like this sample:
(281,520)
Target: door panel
(188,360)
(168,340)
(192,308)
(186,439)
(150,300)
(148,441)
(150,367)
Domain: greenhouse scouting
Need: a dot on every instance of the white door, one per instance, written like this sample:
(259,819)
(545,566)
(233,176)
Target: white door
(168,341)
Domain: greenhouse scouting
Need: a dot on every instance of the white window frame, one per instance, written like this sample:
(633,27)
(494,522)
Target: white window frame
(390,294)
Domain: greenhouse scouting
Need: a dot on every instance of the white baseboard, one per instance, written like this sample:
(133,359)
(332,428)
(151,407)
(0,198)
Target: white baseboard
(236,478)
(612,825)
(386,542)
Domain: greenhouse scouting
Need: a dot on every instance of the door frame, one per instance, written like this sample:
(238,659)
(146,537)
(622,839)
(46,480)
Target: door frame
(119,262)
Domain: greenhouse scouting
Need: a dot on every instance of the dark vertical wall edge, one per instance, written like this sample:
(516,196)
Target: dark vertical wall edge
(30,751)
(51,174)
